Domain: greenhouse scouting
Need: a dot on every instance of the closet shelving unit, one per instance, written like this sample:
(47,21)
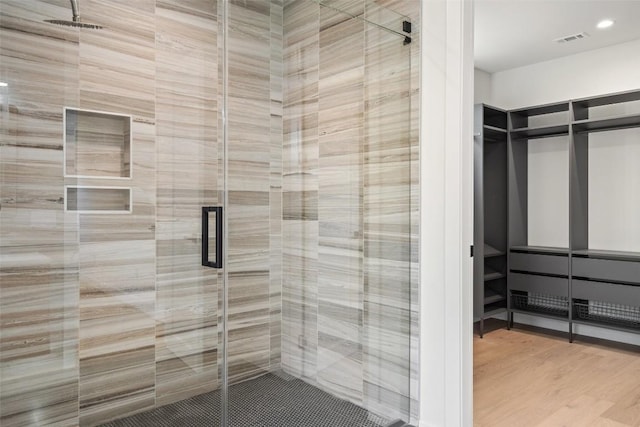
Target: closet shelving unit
(538,279)
(490,206)
(605,284)
(577,284)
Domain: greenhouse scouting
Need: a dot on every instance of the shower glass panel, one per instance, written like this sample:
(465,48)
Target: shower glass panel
(109,152)
(319,214)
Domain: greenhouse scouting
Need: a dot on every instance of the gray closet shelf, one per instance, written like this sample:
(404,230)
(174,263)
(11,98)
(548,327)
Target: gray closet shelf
(490,206)
(602,254)
(494,134)
(492,296)
(540,249)
(540,132)
(601,125)
(490,274)
(490,251)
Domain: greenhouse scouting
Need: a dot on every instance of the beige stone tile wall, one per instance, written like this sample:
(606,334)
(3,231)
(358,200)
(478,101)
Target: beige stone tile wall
(349,230)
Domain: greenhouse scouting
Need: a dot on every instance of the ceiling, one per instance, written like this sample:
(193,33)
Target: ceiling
(513,33)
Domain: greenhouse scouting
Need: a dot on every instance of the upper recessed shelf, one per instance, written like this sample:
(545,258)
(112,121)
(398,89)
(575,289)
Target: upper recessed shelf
(97,144)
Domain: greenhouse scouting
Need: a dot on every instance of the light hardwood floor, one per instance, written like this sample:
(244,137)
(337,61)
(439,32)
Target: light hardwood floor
(527,377)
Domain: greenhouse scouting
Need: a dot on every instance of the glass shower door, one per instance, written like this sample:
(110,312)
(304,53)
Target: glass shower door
(109,151)
(320,155)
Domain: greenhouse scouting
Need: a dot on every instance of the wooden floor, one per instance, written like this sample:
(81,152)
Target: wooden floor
(526,377)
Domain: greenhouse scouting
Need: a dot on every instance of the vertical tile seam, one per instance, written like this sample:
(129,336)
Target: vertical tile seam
(155,213)
(317,158)
(364,197)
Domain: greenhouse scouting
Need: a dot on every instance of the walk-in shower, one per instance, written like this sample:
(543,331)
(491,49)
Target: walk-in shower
(208,213)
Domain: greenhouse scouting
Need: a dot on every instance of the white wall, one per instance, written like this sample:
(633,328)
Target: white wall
(481,87)
(612,69)
(548,192)
(614,190)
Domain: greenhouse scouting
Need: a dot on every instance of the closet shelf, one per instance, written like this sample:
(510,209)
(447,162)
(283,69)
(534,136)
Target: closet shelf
(490,274)
(614,98)
(541,249)
(603,254)
(492,310)
(607,124)
(491,153)
(491,297)
(540,132)
(557,107)
(490,251)
(494,134)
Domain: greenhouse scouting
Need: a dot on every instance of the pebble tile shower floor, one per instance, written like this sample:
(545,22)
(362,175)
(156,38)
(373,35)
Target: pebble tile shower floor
(272,400)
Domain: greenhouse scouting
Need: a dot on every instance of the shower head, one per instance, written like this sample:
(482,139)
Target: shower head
(75,24)
(76,19)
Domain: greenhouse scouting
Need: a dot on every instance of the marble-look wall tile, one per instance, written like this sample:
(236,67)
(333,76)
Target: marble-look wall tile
(300,189)
(275,194)
(117,329)
(387,221)
(249,184)
(117,252)
(186,177)
(361,178)
(302,215)
(117,297)
(117,63)
(411,11)
(38,243)
(300,299)
(340,250)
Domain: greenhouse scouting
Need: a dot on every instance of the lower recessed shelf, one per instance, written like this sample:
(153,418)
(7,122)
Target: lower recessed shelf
(98,200)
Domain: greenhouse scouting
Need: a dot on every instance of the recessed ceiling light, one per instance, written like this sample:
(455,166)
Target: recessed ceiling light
(605,23)
(3,84)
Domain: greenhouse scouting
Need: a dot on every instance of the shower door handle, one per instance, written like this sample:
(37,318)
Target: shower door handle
(217,210)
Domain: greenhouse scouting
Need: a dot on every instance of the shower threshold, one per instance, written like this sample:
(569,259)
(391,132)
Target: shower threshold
(272,400)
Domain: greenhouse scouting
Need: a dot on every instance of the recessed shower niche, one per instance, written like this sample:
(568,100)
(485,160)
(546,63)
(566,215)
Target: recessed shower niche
(97,144)
(91,199)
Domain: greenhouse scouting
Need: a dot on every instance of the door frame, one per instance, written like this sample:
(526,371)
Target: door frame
(446,214)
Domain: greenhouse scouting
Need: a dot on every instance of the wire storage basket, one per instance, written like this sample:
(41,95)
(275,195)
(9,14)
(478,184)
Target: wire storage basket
(612,314)
(540,303)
